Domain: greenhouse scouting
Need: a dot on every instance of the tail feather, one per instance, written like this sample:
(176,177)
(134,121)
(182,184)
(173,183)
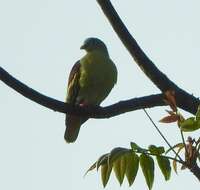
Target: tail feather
(73,124)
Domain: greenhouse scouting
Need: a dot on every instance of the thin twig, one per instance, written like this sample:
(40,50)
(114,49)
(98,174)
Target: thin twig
(162,135)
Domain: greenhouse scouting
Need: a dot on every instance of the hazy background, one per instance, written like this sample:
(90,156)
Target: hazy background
(39,43)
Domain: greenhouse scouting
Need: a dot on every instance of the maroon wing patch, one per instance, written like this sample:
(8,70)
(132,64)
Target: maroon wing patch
(75,70)
(73,83)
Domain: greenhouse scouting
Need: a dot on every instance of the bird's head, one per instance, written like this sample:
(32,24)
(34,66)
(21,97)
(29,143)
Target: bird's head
(91,44)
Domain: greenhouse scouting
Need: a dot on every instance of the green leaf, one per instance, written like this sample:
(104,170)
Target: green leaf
(116,153)
(93,166)
(164,165)
(105,173)
(119,167)
(137,148)
(102,160)
(190,124)
(132,165)
(156,150)
(198,114)
(147,165)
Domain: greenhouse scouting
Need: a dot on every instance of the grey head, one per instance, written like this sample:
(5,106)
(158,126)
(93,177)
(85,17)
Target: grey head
(91,44)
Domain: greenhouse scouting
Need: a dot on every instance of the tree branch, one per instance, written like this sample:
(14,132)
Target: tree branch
(92,112)
(183,99)
(196,171)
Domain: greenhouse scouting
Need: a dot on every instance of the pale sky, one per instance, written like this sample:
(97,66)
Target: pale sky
(39,43)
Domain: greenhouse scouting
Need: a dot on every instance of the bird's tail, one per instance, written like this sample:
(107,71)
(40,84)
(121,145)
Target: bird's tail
(73,124)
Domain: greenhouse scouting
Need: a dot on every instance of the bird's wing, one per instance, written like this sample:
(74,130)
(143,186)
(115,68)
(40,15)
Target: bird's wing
(73,83)
(73,123)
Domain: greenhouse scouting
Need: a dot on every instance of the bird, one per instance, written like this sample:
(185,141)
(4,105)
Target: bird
(90,81)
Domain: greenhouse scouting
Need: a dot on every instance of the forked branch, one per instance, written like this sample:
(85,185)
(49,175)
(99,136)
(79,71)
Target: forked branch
(184,100)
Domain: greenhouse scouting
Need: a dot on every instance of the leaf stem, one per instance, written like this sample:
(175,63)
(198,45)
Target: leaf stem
(184,142)
(168,157)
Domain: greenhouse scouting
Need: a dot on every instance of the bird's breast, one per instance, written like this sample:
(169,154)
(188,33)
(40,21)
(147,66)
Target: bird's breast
(96,70)
(98,76)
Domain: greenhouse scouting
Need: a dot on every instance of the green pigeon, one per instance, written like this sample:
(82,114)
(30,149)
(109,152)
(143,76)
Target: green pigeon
(90,81)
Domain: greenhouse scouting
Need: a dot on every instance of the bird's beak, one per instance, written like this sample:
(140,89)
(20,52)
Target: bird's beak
(83,46)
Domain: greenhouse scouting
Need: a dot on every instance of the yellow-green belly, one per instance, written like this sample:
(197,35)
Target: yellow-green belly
(98,76)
